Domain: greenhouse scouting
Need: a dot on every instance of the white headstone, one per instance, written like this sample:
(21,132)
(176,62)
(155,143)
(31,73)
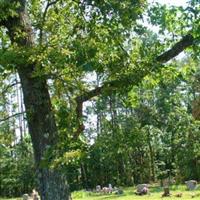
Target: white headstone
(25,197)
(191,184)
(98,188)
(141,187)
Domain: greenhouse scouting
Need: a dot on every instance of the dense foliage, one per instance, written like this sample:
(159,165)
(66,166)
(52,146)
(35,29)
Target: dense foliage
(17,169)
(64,53)
(148,135)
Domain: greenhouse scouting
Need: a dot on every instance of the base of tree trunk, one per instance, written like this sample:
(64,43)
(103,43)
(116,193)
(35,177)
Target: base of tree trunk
(166,192)
(52,185)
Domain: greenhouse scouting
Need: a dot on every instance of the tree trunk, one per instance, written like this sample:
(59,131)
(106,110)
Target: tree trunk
(40,118)
(43,132)
(84,176)
(152,160)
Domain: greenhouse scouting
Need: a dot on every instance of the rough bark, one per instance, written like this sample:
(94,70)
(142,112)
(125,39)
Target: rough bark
(40,118)
(43,132)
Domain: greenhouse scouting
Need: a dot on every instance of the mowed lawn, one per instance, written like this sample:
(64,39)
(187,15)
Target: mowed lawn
(155,194)
(10,199)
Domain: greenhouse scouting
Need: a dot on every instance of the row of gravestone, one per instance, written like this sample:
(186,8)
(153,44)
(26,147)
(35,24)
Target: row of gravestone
(142,189)
(108,190)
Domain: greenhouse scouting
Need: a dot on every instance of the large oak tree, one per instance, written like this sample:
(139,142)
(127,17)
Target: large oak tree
(44,40)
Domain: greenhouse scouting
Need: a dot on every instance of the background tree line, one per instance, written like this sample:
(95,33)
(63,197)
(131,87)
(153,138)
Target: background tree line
(145,135)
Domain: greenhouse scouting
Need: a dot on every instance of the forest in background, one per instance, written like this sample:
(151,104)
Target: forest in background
(146,135)
(140,123)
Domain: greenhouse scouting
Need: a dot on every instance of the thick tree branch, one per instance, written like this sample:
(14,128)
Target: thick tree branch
(111,86)
(180,46)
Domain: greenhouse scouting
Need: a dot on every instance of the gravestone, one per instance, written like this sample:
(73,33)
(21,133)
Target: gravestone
(118,191)
(191,184)
(35,195)
(98,188)
(110,188)
(105,190)
(25,197)
(142,189)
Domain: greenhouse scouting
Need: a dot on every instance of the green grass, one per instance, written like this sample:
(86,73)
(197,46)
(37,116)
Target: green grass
(155,194)
(11,199)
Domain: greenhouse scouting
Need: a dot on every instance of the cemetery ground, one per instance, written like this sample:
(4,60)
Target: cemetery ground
(155,194)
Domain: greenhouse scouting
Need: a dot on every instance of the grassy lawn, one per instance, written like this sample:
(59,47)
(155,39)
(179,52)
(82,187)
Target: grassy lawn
(156,193)
(11,199)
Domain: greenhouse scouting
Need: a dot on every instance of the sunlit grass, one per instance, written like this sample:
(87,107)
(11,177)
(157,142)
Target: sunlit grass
(155,194)
(11,199)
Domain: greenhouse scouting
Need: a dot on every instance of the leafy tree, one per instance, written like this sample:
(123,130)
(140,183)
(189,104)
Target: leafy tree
(48,40)
(17,167)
